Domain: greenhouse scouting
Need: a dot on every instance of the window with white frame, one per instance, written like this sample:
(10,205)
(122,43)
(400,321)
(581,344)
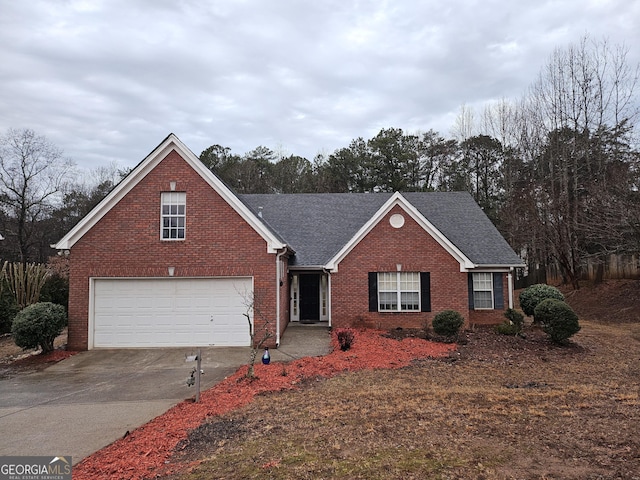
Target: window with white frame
(173,215)
(482,290)
(324,298)
(398,291)
(295,312)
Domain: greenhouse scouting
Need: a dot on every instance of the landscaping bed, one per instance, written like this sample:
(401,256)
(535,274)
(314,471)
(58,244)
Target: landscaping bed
(153,449)
(15,360)
(496,408)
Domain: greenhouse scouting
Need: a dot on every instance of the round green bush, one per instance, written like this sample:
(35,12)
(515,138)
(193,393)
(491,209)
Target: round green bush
(506,328)
(447,323)
(515,319)
(38,325)
(558,320)
(531,296)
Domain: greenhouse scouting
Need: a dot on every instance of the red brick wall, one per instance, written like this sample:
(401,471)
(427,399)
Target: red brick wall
(126,243)
(380,251)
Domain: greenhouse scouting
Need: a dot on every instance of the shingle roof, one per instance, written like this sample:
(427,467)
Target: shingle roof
(317,226)
(462,221)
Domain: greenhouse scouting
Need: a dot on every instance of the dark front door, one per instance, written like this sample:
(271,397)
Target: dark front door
(309,297)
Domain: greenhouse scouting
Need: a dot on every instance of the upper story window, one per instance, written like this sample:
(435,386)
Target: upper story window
(398,291)
(173,215)
(483,290)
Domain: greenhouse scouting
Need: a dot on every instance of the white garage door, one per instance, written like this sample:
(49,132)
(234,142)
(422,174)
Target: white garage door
(171,312)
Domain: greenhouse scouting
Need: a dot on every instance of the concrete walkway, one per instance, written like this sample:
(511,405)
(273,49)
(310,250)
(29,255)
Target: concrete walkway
(88,401)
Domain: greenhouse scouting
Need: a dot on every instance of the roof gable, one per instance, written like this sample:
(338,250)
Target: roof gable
(398,200)
(169,144)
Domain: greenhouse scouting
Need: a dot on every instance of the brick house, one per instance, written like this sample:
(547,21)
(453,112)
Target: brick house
(173,257)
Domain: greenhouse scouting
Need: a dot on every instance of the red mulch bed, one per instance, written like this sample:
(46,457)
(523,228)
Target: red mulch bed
(146,452)
(43,359)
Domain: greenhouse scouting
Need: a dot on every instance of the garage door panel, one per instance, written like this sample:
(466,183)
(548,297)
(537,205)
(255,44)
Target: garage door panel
(170,312)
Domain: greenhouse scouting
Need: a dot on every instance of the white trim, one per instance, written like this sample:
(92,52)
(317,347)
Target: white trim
(171,143)
(323,293)
(398,199)
(324,297)
(493,268)
(294,303)
(91,319)
(398,291)
(473,290)
(166,199)
(329,296)
(510,284)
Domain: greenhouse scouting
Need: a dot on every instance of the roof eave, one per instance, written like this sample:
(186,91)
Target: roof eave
(307,267)
(495,266)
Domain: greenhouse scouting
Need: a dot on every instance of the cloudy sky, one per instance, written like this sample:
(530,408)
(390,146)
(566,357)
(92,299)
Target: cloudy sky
(107,80)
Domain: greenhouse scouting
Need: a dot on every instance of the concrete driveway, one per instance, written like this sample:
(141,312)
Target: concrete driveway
(88,401)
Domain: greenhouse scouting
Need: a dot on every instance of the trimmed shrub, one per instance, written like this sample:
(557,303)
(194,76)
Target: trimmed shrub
(515,318)
(8,310)
(558,320)
(345,339)
(531,296)
(506,328)
(513,324)
(447,323)
(38,325)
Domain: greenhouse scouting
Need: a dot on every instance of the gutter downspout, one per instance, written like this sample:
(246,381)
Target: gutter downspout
(510,282)
(278,287)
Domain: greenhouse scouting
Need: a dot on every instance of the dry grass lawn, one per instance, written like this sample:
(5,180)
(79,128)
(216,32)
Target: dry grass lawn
(500,408)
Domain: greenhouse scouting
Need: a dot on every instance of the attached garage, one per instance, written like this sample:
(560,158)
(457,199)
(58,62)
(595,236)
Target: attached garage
(170,312)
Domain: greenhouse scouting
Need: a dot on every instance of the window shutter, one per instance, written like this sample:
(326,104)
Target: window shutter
(470,284)
(373,291)
(498,292)
(425,292)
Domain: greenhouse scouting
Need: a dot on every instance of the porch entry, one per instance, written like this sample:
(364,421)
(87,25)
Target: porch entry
(309,297)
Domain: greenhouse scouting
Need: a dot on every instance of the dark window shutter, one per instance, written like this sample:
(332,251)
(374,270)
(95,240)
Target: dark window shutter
(498,292)
(425,292)
(373,291)
(470,284)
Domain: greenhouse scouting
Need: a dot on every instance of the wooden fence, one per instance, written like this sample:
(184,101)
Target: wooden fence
(611,267)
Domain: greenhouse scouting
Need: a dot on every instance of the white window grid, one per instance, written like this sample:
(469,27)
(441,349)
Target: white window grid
(482,291)
(173,216)
(294,298)
(398,291)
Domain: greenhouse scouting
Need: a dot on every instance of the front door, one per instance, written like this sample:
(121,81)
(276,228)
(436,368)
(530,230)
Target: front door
(309,297)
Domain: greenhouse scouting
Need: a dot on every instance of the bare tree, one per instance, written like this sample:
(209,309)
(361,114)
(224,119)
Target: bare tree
(464,126)
(32,174)
(500,121)
(259,335)
(579,114)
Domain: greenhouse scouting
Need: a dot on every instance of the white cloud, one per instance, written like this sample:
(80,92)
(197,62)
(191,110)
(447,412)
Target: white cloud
(109,80)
